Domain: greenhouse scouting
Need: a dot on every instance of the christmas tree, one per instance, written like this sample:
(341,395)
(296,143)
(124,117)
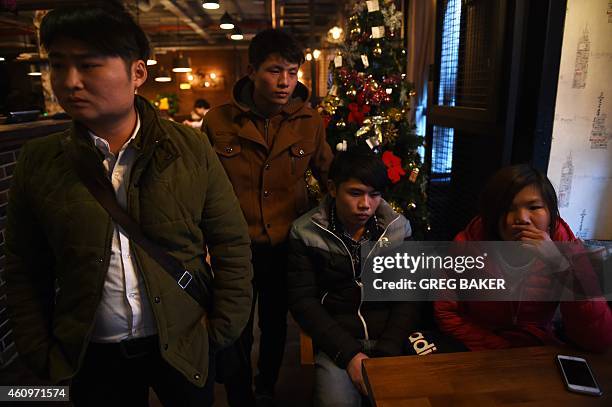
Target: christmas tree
(369,103)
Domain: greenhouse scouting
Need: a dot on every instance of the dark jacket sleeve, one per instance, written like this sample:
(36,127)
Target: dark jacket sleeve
(29,274)
(322,157)
(404,318)
(307,310)
(228,242)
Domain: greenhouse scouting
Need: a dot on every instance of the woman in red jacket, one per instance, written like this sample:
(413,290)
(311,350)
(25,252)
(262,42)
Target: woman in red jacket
(519,204)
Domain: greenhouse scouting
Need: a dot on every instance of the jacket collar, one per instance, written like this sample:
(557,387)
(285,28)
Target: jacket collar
(242,98)
(151,132)
(244,113)
(384,214)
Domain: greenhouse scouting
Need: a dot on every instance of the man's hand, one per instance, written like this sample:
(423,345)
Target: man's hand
(354,371)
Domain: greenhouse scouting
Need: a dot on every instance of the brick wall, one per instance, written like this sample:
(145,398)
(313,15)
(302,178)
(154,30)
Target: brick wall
(7,164)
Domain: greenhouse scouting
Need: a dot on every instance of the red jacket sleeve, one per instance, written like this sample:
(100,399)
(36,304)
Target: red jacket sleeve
(588,323)
(453,322)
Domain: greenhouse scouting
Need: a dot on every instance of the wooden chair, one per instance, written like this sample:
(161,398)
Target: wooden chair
(306,351)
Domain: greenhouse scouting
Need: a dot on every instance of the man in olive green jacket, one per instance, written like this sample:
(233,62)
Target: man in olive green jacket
(85,302)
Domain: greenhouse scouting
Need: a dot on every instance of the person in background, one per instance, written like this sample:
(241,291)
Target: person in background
(267,138)
(519,204)
(200,108)
(325,289)
(87,304)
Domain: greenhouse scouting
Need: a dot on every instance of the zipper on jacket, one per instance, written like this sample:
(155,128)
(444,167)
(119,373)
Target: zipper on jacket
(359,283)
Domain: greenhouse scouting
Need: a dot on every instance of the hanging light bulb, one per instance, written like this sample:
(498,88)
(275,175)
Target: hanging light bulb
(308,56)
(151,61)
(316,54)
(237,34)
(335,32)
(181,64)
(213,76)
(226,22)
(210,4)
(162,75)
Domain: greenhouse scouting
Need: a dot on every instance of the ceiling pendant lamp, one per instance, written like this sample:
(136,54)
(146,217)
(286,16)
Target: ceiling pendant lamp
(162,75)
(181,64)
(210,4)
(226,22)
(237,34)
(34,70)
(151,61)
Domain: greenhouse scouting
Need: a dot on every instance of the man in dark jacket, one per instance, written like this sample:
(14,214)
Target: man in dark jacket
(86,303)
(325,288)
(267,138)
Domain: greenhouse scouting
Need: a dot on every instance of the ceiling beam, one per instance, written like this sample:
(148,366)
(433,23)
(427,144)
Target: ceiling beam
(174,9)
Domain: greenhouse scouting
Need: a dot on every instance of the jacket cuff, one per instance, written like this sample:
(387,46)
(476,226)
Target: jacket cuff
(344,356)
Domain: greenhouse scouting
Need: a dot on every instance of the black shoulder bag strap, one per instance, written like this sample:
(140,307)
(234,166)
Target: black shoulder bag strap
(101,188)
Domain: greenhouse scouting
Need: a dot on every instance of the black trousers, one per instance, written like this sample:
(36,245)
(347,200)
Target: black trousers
(116,375)
(270,291)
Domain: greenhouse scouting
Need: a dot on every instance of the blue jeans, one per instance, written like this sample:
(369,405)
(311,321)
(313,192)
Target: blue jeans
(333,387)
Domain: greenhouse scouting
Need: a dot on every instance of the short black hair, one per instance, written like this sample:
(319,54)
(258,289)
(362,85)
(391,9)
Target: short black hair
(359,163)
(499,192)
(274,41)
(201,104)
(108,28)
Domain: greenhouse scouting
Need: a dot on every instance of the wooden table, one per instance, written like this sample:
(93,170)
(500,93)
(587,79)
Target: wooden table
(520,376)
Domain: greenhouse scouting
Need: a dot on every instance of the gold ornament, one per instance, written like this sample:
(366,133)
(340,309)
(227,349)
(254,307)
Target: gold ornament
(330,103)
(391,133)
(395,114)
(413,175)
(312,185)
(395,206)
(341,124)
(373,123)
(377,51)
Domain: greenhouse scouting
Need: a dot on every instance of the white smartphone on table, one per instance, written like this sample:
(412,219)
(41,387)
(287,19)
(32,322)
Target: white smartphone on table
(577,375)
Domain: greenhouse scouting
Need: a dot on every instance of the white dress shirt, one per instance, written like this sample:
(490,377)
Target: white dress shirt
(124,311)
